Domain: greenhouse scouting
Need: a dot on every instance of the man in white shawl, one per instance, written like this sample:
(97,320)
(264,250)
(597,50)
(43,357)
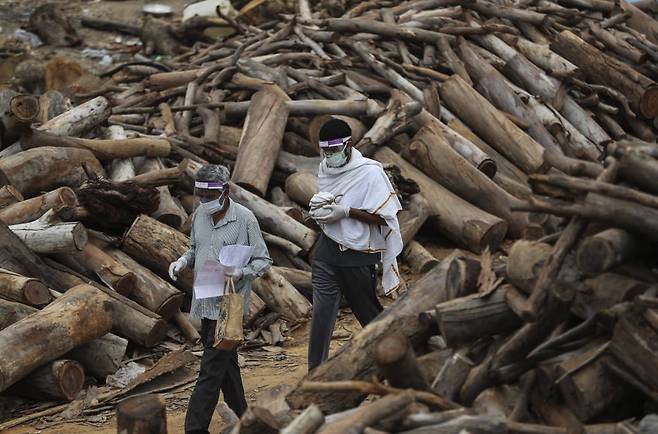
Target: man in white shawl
(357,211)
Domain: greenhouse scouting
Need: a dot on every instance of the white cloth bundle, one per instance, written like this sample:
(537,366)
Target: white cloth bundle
(362,184)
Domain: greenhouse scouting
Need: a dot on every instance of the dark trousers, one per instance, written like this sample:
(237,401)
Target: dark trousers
(219,370)
(357,284)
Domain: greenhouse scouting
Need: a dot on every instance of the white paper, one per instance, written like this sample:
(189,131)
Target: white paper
(209,280)
(235,256)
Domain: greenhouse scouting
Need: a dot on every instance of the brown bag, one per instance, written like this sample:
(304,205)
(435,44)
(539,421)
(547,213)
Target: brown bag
(228,332)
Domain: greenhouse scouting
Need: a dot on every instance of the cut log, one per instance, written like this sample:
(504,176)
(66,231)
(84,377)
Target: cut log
(79,119)
(430,152)
(640,21)
(21,289)
(492,125)
(605,250)
(11,312)
(256,307)
(47,236)
(396,361)
(258,152)
(273,219)
(58,380)
(17,118)
(31,209)
(156,245)
(43,169)
(120,169)
(103,149)
(473,317)
(101,357)
(307,422)
(603,292)
(185,326)
(413,216)
(93,261)
(300,279)
(418,258)
(453,217)
(598,67)
(355,360)
(77,317)
(169,211)
(151,292)
(639,170)
(9,196)
(145,414)
(301,187)
(525,261)
(542,56)
(280,296)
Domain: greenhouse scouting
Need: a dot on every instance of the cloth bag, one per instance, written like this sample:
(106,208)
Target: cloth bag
(228,332)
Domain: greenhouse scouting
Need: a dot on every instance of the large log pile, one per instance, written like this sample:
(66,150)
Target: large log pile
(523,132)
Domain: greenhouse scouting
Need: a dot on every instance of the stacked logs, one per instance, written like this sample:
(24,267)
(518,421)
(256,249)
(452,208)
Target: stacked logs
(494,122)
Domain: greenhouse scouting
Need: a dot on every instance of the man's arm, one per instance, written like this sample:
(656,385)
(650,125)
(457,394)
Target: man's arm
(366,217)
(260,258)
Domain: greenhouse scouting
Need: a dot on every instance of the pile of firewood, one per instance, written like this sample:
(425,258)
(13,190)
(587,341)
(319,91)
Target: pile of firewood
(524,133)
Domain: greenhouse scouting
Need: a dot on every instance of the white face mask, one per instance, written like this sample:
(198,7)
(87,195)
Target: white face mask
(337,159)
(213,206)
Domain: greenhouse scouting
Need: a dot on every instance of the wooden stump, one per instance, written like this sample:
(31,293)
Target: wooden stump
(257,153)
(397,362)
(142,415)
(26,290)
(43,169)
(418,258)
(80,315)
(59,380)
(156,245)
(186,327)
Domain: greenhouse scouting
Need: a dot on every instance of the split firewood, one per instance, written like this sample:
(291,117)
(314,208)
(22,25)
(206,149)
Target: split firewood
(48,236)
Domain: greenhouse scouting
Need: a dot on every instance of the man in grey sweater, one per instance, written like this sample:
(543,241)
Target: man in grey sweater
(218,222)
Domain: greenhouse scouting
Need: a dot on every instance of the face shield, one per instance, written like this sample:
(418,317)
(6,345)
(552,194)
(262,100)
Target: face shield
(210,195)
(334,151)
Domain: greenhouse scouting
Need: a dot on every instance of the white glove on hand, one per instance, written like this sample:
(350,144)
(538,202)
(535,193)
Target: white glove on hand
(235,273)
(321,199)
(175,268)
(335,213)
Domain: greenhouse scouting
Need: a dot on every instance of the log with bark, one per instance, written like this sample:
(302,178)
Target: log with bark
(48,236)
(281,296)
(58,380)
(31,209)
(101,357)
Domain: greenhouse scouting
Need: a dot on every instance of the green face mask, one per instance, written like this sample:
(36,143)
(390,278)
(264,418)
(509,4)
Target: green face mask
(337,159)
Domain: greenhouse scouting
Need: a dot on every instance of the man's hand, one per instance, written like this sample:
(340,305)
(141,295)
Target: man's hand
(175,268)
(332,213)
(235,274)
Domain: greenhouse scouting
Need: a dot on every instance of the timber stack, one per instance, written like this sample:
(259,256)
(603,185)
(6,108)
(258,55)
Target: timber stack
(520,134)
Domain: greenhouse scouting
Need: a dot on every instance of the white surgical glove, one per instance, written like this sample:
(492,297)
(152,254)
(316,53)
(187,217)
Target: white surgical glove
(321,199)
(235,274)
(335,213)
(176,267)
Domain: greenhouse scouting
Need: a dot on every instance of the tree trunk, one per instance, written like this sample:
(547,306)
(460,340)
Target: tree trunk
(47,236)
(145,414)
(156,245)
(101,357)
(11,312)
(95,262)
(169,212)
(275,220)
(413,216)
(301,187)
(9,196)
(473,317)
(151,292)
(21,289)
(43,169)
(79,119)
(418,258)
(58,380)
(103,149)
(77,317)
(355,360)
(431,153)
(605,250)
(257,151)
(600,68)
(492,125)
(397,362)
(281,296)
(31,209)
(453,217)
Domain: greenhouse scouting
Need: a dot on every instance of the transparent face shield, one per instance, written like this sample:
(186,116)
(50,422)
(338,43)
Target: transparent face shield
(209,193)
(333,151)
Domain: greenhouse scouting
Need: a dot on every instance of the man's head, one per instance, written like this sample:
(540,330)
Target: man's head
(211,186)
(336,142)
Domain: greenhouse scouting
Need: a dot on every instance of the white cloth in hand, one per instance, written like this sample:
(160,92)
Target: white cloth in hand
(175,268)
(321,199)
(333,213)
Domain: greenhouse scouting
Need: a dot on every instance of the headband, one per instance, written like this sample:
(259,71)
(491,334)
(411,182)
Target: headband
(333,142)
(210,185)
